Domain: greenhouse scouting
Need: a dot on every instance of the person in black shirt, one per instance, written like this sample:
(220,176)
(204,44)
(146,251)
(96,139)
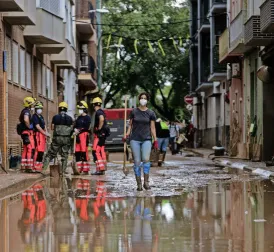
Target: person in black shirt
(98,150)
(40,134)
(61,142)
(162,133)
(81,130)
(27,135)
(141,132)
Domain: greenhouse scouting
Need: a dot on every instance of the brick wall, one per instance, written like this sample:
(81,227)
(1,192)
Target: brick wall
(16,93)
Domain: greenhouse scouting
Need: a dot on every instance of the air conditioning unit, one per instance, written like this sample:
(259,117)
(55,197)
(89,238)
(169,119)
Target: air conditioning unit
(228,72)
(236,70)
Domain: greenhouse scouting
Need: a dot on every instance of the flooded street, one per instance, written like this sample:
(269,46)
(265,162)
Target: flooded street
(191,207)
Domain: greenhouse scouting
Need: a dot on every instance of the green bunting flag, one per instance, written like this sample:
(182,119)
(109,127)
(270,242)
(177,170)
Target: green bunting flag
(180,42)
(120,42)
(150,46)
(175,45)
(135,46)
(109,39)
(161,48)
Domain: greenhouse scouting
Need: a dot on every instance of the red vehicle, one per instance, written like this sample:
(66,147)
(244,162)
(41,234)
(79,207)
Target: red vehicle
(115,121)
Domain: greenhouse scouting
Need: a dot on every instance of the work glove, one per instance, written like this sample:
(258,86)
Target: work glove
(48,134)
(125,138)
(76,131)
(155,145)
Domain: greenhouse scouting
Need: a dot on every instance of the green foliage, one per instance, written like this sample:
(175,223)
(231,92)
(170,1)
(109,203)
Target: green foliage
(131,73)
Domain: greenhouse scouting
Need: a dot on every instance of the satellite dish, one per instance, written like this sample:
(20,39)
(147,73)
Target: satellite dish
(264,73)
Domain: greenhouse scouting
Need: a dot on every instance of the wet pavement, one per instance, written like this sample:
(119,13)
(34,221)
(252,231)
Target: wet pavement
(193,206)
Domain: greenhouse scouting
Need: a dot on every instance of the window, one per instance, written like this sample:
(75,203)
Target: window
(48,83)
(15,62)
(28,70)
(22,68)
(39,77)
(8,49)
(52,85)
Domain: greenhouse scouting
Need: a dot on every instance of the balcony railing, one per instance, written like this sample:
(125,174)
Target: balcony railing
(86,64)
(219,1)
(217,67)
(82,10)
(236,30)
(266,16)
(223,44)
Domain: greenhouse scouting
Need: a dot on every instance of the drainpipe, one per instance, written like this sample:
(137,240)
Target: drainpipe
(99,35)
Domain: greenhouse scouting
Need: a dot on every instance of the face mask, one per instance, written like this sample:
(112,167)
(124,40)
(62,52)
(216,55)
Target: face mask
(81,111)
(32,109)
(143,102)
(39,111)
(63,113)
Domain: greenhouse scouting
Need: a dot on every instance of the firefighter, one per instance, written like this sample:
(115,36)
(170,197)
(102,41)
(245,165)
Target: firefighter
(98,150)
(27,135)
(81,131)
(40,136)
(61,142)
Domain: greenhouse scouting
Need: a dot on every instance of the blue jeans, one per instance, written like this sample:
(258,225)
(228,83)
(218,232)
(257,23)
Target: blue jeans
(141,154)
(163,143)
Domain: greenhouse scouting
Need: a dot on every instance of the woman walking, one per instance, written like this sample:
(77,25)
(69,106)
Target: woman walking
(141,132)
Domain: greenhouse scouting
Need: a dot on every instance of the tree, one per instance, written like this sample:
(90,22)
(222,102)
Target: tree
(164,77)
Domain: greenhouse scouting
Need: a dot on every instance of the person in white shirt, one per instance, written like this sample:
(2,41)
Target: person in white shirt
(173,134)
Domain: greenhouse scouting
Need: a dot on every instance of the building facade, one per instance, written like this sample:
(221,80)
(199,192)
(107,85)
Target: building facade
(246,47)
(207,76)
(41,41)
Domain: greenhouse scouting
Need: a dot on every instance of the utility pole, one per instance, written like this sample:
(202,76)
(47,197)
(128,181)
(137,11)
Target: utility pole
(99,41)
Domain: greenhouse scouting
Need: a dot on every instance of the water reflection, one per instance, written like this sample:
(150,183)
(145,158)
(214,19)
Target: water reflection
(78,215)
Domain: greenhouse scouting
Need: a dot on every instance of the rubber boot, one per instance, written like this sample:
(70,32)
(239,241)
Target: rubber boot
(146,182)
(98,173)
(139,183)
(45,165)
(164,156)
(64,165)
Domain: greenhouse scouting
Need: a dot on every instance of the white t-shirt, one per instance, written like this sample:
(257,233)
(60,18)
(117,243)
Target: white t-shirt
(173,130)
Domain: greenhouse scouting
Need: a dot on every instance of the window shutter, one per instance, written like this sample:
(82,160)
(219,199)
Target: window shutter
(22,67)
(39,77)
(44,81)
(48,83)
(8,49)
(28,70)
(15,68)
(52,86)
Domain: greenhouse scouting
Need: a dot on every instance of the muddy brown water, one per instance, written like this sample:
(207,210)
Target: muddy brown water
(85,215)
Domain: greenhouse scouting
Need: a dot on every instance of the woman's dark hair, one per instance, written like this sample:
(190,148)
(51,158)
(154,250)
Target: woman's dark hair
(144,93)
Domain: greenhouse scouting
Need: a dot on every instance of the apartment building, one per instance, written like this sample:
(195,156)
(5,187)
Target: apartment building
(41,41)
(207,76)
(246,46)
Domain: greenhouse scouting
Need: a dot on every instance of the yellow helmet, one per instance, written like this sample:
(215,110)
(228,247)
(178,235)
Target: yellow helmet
(63,105)
(28,101)
(82,105)
(38,105)
(97,100)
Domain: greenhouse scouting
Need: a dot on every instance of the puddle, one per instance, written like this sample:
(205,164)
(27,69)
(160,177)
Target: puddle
(88,215)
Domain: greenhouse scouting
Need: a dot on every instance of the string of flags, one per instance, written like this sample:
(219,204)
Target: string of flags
(151,43)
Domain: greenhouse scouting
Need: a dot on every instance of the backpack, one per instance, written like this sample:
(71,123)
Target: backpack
(20,128)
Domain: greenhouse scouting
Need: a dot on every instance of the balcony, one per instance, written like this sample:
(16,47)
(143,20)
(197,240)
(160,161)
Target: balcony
(218,71)
(236,33)
(86,70)
(218,6)
(11,5)
(65,59)
(49,29)
(205,25)
(84,20)
(267,17)
(223,45)
(25,17)
(253,35)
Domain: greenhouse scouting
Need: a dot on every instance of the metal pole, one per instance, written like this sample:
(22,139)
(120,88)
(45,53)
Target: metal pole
(99,34)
